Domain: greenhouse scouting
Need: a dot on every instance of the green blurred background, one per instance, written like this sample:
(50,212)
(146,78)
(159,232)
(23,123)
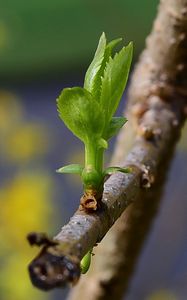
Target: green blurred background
(45,46)
(44,37)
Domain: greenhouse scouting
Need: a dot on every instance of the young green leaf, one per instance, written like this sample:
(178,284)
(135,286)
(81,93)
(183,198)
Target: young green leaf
(98,82)
(92,77)
(102,143)
(114,126)
(110,46)
(112,170)
(81,113)
(72,169)
(114,80)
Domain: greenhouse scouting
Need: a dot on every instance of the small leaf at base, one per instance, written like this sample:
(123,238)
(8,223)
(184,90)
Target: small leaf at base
(102,143)
(85,262)
(72,169)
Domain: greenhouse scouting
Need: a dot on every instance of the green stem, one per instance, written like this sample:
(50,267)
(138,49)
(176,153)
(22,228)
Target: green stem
(94,157)
(93,172)
(90,155)
(99,160)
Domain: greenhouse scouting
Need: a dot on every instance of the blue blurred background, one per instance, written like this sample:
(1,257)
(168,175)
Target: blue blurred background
(45,46)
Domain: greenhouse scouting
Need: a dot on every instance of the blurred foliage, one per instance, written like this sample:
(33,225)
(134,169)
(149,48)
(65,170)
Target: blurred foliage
(10,112)
(25,198)
(21,141)
(38,36)
(24,207)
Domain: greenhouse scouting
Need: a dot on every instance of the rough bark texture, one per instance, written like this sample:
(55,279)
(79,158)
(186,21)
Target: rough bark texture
(156,108)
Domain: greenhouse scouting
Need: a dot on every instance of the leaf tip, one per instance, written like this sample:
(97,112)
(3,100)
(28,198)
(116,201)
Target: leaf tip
(103,35)
(130,46)
(59,170)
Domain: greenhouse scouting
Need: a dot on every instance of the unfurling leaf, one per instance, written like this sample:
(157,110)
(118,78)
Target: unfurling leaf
(93,78)
(72,169)
(114,80)
(94,74)
(110,46)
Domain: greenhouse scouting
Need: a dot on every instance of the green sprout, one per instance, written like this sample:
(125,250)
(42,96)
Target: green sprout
(88,113)
(85,262)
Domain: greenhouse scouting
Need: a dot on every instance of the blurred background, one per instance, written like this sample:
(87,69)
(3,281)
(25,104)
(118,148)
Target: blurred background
(44,47)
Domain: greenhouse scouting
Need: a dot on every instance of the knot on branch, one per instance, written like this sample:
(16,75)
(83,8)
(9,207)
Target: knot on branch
(51,268)
(147,180)
(90,201)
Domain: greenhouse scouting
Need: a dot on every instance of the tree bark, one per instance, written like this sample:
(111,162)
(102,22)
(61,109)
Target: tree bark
(156,107)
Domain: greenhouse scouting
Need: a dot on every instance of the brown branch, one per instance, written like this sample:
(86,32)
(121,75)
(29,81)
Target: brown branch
(156,113)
